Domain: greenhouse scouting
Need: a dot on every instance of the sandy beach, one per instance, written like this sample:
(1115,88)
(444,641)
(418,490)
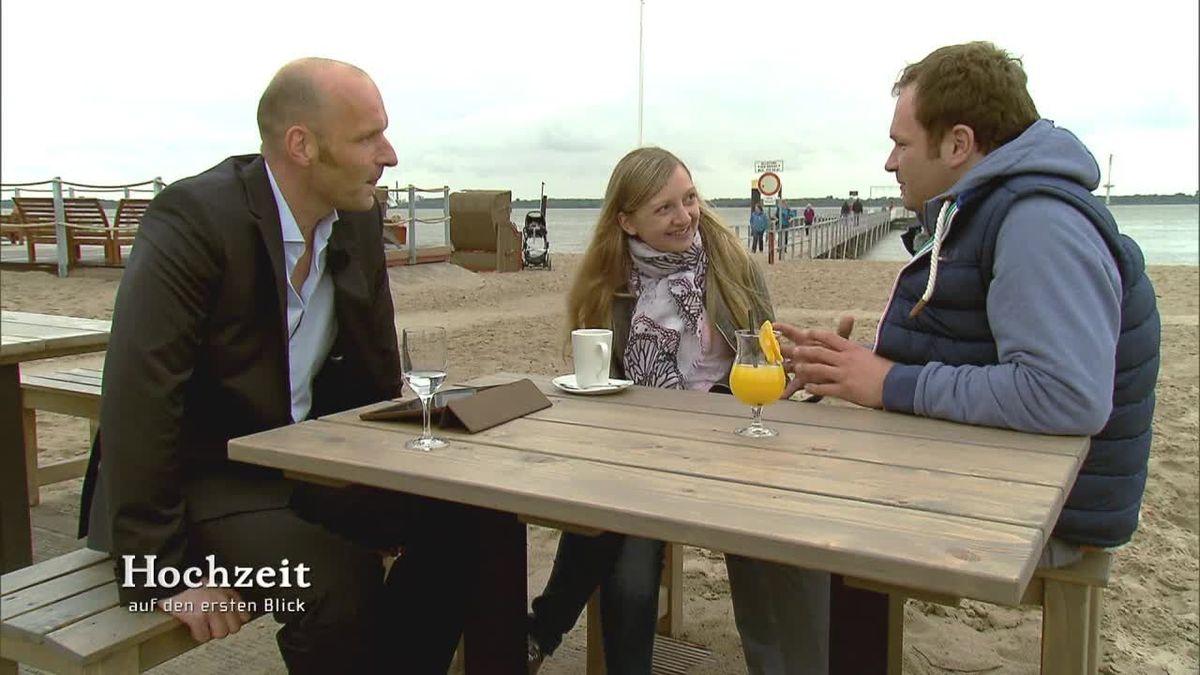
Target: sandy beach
(513,322)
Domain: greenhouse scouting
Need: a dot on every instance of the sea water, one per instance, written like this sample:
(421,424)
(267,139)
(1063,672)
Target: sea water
(1169,234)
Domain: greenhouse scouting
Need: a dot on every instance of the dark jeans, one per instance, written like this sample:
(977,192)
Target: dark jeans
(629,569)
(782,616)
(756,244)
(355,620)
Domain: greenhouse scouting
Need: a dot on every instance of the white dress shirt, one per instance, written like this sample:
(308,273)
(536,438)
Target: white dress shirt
(310,320)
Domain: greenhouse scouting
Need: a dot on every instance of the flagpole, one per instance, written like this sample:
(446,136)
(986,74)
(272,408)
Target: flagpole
(1108,185)
(641,67)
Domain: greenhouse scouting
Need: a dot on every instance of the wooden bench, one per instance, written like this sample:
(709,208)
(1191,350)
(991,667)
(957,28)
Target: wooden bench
(1071,599)
(63,616)
(70,392)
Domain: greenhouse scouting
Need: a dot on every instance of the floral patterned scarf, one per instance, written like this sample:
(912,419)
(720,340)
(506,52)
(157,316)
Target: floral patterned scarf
(667,336)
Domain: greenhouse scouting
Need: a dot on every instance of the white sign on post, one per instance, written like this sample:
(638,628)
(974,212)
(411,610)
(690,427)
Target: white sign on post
(774,165)
(770,201)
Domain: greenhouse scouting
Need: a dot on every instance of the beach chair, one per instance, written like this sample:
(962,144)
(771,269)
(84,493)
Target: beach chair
(11,227)
(125,225)
(86,221)
(20,227)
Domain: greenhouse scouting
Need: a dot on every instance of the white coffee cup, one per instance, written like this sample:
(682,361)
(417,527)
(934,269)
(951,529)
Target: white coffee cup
(591,348)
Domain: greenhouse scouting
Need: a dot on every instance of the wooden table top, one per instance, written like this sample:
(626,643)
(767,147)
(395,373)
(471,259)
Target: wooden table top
(923,504)
(25,336)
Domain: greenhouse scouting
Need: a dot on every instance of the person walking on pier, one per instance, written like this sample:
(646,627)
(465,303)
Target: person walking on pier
(758,227)
(786,215)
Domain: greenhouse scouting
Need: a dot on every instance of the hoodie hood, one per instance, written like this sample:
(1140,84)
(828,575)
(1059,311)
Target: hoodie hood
(1042,148)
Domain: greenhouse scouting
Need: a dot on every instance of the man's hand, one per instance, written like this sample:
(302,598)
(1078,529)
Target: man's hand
(844,328)
(206,625)
(828,364)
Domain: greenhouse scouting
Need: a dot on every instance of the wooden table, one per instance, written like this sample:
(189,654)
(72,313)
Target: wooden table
(25,337)
(899,501)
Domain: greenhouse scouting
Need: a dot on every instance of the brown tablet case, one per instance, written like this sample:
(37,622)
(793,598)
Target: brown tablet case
(495,405)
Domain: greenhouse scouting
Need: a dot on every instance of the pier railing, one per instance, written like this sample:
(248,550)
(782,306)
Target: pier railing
(837,237)
(829,236)
(412,220)
(60,189)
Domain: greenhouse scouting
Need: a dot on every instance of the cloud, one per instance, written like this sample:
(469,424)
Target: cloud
(484,94)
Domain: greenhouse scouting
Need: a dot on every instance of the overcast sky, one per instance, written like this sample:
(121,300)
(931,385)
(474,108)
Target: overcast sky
(507,93)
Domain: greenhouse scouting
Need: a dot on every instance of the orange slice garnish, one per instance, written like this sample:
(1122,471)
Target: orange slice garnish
(769,343)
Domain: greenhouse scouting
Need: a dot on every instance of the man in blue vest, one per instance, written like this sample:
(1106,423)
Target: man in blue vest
(1025,308)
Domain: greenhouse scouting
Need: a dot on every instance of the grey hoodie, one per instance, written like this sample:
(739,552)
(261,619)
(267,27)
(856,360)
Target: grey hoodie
(1054,306)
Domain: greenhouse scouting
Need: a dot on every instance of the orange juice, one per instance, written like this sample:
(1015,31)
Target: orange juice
(757,385)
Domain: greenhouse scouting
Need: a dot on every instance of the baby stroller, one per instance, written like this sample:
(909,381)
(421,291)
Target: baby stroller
(535,249)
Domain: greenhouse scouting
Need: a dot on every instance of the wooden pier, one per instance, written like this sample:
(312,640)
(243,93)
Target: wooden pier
(835,237)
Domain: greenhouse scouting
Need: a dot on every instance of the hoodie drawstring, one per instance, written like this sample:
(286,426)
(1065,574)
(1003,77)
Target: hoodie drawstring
(945,215)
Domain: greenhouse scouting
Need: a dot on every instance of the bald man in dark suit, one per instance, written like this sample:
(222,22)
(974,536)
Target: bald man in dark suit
(257,296)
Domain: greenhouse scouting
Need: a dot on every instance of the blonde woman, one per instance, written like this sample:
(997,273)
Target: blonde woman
(673,283)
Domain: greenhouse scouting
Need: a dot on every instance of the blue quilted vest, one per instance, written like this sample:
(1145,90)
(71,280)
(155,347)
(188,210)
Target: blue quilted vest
(1102,508)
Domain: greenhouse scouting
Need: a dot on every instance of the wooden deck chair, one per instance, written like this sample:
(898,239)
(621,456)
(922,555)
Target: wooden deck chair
(125,224)
(11,227)
(26,220)
(87,223)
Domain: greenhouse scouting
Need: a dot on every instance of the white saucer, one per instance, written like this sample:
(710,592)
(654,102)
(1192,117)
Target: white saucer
(567,383)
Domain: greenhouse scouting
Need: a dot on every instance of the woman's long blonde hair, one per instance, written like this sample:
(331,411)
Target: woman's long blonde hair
(605,267)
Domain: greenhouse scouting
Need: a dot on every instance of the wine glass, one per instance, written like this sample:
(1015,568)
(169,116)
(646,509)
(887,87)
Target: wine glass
(423,365)
(755,380)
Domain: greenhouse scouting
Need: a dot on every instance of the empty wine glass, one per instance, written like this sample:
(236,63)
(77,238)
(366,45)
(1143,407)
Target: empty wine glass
(756,380)
(423,365)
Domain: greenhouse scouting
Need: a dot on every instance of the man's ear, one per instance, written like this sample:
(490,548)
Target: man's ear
(958,145)
(300,144)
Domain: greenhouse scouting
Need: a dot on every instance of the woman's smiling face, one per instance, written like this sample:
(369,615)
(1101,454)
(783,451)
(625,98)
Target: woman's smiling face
(669,220)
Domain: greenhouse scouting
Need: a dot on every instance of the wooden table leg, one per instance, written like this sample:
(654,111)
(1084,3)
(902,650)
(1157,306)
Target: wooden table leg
(858,630)
(16,550)
(494,635)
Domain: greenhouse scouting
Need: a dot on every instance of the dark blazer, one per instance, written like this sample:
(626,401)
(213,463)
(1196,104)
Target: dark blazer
(198,354)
